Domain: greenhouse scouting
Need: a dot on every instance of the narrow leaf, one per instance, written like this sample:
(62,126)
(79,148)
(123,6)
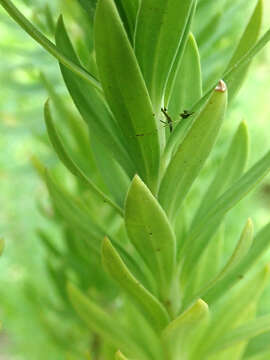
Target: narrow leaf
(253,328)
(227,76)
(242,248)
(187,87)
(187,162)
(120,356)
(177,335)
(260,245)
(230,169)
(128,10)
(196,243)
(74,212)
(179,56)
(150,232)
(159,31)
(239,307)
(128,100)
(47,44)
(69,163)
(98,320)
(92,107)
(249,38)
(151,307)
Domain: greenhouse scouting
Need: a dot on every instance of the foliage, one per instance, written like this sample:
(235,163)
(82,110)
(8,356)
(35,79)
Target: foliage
(163,287)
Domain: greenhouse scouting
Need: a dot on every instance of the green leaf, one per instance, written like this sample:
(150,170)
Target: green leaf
(92,107)
(128,100)
(150,232)
(74,212)
(186,90)
(118,183)
(142,332)
(262,355)
(88,5)
(128,10)
(52,249)
(179,56)
(241,249)
(76,128)
(69,163)
(249,330)
(196,243)
(231,168)
(260,245)
(160,27)
(239,306)
(187,163)
(249,38)
(227,76)
(47,44)
(187,87)
(100,322)
(153,310)
(178,335)
(119,356)
(246,59)
(207,268)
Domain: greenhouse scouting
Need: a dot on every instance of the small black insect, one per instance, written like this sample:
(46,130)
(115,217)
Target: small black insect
(169,120)
(185,114)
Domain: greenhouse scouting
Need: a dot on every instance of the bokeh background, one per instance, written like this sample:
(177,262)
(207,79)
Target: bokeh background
(23,195)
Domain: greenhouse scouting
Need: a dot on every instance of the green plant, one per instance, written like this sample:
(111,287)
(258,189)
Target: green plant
(131,204)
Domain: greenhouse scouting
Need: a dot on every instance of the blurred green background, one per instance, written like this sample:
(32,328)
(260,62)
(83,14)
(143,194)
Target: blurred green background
(22,95)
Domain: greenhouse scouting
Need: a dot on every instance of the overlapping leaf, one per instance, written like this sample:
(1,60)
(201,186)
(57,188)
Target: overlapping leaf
(160,28)
(128,100)
(192,154)
(151,234)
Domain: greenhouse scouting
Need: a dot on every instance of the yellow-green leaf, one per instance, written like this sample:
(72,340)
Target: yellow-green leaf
(192,152)
(152,308)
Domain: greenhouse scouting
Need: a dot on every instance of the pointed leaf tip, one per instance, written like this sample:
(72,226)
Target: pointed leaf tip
(221,87)
(152,308)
